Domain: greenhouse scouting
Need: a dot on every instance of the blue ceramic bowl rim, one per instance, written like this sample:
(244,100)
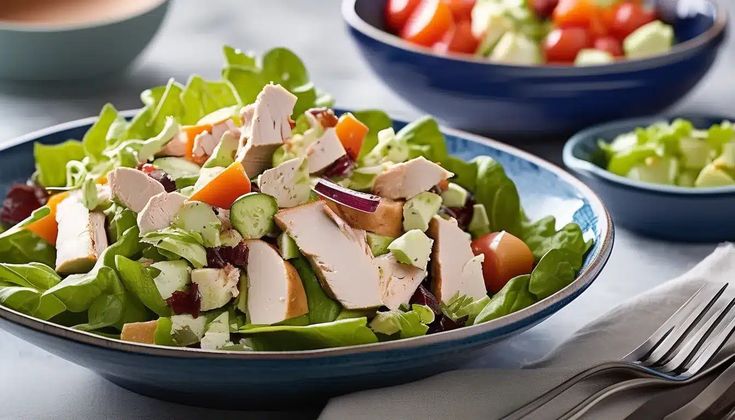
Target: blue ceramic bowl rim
(350,15)
(6,26)
(506,323)
(585,167)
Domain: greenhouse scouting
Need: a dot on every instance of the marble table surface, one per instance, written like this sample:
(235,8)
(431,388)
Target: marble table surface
(37,385)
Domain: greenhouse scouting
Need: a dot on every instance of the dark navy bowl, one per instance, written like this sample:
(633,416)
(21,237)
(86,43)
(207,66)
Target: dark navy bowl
(277,379)
(662,211)
(524,102)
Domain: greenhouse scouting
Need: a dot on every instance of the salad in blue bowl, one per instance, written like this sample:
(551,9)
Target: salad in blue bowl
(242,220)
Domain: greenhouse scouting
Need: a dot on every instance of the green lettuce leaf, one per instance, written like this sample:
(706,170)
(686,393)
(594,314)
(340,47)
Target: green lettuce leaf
(22,287)
(405,324)
(201,97)
(103,133)
(425,134)
(345,332)
(556,269)
(466,307)
(513,297)
(137,279)
(174,243)
(51,160)
(20,246)
(375,120)
(541,236)
(322,308)
(499,195)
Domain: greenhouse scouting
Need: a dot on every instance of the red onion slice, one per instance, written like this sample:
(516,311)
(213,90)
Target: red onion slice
(367,203)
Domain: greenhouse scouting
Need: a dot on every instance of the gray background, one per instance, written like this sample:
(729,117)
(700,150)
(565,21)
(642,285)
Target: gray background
(35,384)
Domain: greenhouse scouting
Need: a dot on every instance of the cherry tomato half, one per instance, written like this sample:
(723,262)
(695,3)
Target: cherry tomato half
(563,44)
(505,257)
(570,13)
(459,39)
(609,44)
(461,9)
(630,16)
(397,13)
(428,23)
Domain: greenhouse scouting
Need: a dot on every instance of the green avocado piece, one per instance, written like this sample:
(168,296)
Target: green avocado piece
(195,216)
(516,48)
(651,39)
(727,158)
(173,276)
(687,177)
(378,243)
(413,248)
(187,330)
(288,247)
(656,170)
(454,196)
(390,148)
(711,176)
(418,211)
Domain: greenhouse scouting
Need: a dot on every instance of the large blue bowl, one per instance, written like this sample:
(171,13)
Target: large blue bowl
(522,102)
(662,211)
(272,379)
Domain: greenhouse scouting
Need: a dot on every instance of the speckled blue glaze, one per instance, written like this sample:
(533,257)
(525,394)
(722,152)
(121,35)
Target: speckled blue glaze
(667,212)
(514,102)
(272,379)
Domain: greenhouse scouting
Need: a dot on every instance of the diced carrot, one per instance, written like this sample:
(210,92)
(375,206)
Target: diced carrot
(46,227)
(102,180)
(351,133)
(225,188)
(139,332)
(191,131)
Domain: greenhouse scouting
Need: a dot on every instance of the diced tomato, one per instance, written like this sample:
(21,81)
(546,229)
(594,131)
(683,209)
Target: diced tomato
(351,133)
(461,9)
(428,23)
(544,8)
(563,44)
(570,13)
(609,44)
(630,16)
(506,256)
(597,27)
(397,13)
(459,39)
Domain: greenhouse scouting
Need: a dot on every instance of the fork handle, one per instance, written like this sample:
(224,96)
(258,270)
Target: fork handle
(714,399)
(580,409)
(556,391)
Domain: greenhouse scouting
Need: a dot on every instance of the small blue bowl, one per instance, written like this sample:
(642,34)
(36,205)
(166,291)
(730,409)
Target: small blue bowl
(246,380)
(662,211)
(524,102)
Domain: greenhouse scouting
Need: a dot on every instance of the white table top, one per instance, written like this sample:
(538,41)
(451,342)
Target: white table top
(35,384)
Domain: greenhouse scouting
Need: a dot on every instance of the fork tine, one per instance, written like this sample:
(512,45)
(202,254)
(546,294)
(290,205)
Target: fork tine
(673,339)
(691,344)
(694,302)
(713,344)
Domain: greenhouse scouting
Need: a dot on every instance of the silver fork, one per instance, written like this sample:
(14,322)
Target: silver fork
(676,351)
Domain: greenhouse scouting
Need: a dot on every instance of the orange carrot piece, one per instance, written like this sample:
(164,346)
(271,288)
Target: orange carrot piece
(46,227)
(191,131)
(351,133)
(225,188)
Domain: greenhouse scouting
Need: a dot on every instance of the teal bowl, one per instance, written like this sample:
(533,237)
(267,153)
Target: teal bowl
(79,51)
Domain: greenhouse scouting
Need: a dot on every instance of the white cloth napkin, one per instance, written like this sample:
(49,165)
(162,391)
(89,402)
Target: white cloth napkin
(491,393)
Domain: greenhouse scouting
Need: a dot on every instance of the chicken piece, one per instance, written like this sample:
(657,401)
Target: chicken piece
(405,180)
(398,281)
(160,211)
(387,220)
(132,188)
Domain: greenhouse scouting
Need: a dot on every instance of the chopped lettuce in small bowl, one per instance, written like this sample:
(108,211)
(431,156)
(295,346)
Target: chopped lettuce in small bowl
(667,177)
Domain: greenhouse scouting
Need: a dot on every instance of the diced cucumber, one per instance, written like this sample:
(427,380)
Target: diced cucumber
(177,167)
(480,223)
(252,215)
(288,247)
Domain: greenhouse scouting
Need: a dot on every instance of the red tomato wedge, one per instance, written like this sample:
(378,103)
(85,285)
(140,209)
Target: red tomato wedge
(397,13)
(429,23)
(506,256)
(563,44)
(351,133)
(461,9)
(459,39)
(628,17)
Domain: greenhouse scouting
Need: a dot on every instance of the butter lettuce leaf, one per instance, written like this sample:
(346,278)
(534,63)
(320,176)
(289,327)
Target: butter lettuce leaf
(403,324)
(513,297)
(322,308)
(175,243)
(51,160)
(19,245)
(344,332)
